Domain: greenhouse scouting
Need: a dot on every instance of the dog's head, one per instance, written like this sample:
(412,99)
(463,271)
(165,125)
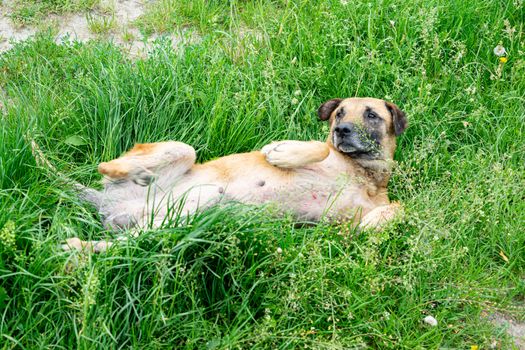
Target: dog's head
(363,128)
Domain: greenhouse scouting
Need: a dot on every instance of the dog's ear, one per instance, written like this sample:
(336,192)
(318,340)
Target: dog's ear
(327,108)
(399,119)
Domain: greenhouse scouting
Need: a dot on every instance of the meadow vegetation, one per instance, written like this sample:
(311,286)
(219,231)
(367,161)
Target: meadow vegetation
(235,277)
(35,11)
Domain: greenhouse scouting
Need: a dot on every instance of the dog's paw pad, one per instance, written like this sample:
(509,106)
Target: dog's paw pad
(143,177)
(267,149)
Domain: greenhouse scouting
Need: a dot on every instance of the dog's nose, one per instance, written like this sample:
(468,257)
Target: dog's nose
(344,129)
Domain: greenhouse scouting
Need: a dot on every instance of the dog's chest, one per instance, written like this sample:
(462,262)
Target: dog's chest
(333,195)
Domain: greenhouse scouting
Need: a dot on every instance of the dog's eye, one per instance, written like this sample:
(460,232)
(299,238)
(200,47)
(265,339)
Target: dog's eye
(371,115)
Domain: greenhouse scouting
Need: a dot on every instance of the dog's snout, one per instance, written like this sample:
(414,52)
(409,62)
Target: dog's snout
(344,129)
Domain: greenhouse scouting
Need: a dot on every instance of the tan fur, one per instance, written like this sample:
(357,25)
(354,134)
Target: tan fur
(310,178)
(119,168)
(141,149)
(146,157)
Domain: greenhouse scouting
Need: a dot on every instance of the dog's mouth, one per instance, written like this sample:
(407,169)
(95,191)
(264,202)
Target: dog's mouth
(357,146)
(346,148)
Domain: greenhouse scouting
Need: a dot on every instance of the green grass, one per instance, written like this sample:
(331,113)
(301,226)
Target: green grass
(165,16)
(34,11)
(101,24)
(219,282)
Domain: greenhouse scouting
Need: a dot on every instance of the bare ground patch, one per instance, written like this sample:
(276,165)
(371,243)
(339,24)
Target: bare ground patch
(112,20)
(514,328)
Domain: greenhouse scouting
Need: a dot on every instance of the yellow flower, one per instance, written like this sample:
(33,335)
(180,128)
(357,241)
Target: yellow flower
(474,347)
(503,59)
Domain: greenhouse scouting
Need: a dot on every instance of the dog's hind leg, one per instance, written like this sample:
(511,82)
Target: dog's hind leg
(144,161)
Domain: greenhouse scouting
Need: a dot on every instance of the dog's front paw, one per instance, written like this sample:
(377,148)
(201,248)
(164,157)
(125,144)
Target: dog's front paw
(282,154)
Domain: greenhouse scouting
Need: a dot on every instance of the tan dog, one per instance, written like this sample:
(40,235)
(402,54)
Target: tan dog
(343,179)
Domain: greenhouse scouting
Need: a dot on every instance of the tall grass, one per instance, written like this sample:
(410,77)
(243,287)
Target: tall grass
(220,281)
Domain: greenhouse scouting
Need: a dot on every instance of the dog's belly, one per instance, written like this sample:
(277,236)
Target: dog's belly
(312,200)
(308,194)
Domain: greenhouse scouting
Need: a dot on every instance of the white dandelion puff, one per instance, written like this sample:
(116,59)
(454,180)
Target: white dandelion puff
(430,321)
(500,51)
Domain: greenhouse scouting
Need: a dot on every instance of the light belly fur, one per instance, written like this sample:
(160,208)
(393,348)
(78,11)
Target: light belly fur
(309,193)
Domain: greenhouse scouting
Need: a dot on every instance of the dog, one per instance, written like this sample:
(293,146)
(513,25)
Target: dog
(342,180)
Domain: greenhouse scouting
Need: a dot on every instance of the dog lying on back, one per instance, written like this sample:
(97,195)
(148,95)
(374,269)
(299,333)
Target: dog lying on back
(342,179)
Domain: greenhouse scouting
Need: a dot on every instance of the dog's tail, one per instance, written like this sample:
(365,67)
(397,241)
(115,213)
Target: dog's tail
(85,194)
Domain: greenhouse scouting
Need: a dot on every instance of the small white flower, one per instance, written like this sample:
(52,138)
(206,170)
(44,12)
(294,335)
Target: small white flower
(471,90)
(279,250)
(500,51)
(344,2)
(430,321)
(392,23)
(294,60)
(297,92)
(295,101)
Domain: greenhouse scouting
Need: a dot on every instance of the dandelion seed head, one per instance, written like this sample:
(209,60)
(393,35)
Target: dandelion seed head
(430,321)
(500,51)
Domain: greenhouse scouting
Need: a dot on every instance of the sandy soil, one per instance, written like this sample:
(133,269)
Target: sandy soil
(75,27)
(514,328)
